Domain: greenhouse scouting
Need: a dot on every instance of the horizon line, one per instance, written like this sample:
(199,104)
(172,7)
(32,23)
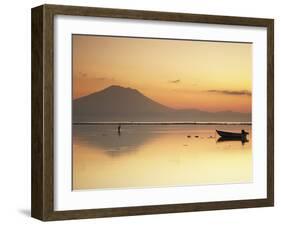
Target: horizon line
(161,123)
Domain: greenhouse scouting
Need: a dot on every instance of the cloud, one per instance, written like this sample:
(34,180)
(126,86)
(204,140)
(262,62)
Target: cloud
(83,74)
(100,78)
(96,78)
(231,92)
(175,81)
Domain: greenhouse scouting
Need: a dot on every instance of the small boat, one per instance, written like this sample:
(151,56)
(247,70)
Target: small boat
(224,134)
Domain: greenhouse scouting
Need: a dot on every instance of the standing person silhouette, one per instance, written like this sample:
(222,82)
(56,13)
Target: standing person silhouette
(119,129)
(244,136)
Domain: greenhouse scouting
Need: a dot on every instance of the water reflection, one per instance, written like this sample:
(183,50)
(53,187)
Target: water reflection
(153,156)
(231,139)
(111,140)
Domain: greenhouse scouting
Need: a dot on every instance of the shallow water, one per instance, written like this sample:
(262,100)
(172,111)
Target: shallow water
(155,156)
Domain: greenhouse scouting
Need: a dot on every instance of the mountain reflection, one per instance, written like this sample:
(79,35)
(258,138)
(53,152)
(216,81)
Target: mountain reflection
(112,141)
(150,155)
(129,138)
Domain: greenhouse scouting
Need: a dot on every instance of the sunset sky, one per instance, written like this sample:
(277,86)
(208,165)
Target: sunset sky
(210,76)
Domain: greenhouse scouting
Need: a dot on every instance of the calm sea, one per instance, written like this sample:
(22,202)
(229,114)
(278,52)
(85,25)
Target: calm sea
(142,156)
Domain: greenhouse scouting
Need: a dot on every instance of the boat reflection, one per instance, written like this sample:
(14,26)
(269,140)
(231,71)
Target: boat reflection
(243,140)
(146,156)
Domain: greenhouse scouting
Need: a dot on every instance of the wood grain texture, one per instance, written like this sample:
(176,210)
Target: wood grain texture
(270,111)
(43,107)
(42,114)
(37,185)
(153,15)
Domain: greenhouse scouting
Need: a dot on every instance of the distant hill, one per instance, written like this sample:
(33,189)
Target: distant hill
(117,103)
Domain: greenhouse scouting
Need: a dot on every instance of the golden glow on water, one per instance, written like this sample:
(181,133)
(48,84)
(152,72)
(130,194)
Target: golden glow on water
(153,156)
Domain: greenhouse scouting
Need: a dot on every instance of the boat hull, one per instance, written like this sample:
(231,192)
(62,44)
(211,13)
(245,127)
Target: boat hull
(231,135)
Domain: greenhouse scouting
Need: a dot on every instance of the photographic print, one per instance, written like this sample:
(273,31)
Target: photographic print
(150,112)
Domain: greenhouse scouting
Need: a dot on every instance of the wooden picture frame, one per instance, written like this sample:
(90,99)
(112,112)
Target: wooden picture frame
(42,204)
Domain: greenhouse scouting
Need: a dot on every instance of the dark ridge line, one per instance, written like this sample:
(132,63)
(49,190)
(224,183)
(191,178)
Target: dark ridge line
(161,123)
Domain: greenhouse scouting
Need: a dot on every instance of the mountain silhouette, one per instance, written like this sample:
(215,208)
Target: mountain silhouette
(116,103)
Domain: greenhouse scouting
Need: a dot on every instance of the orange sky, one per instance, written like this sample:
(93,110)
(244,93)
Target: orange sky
(211,76)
